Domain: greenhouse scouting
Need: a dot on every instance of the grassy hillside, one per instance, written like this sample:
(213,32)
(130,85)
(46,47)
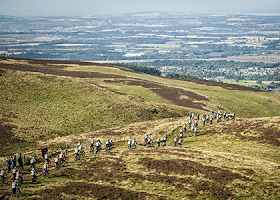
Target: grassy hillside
(42,100)
(228,160)
(62,102)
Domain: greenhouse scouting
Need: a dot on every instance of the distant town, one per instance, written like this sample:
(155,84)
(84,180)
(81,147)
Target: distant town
(236,48)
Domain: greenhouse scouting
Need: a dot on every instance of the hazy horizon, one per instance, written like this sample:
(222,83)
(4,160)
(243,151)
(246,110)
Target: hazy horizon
(111,7)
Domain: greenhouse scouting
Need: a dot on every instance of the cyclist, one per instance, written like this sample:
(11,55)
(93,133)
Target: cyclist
(158,142)
(79,144)
(98,146)
(190,122)
(92,144)
(32,162)
(134,143)
(61,158)
(56,161)
(146,139)
(107,145)
(77,153)
(19,177)
(45,168)
(33,174)
(175,141)
(111,142)
(180,142)
(47,157)
(15,188)
(14,171)
(2,174)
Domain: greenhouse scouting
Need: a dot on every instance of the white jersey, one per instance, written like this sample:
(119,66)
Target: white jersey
(2,172)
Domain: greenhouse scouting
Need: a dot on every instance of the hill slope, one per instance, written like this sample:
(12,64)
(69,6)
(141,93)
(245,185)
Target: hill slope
(47,99)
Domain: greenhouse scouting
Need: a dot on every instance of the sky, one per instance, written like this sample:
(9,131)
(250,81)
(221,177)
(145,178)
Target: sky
(101,7)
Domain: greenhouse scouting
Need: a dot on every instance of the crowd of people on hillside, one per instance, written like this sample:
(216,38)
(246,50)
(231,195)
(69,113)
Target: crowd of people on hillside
(15,164)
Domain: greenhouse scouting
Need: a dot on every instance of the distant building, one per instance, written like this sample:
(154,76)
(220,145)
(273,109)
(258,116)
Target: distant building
(220,78)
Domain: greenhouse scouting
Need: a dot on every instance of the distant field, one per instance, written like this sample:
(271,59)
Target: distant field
(264,58)
(158,45)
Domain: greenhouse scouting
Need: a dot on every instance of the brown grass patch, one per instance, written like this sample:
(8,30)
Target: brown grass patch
(171,94)
(265,131)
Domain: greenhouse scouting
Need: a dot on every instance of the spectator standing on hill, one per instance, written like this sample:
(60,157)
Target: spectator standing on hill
(43,152)
(20,161)
(190,114)
(197,116)
(190,123)
(14,162)
(8,162)
(211,120)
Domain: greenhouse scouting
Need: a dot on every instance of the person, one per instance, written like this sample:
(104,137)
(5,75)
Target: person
(203,121)
(197,116)
(190,123)
(98,146)
(190,114)
(8,162)
(20,161)
(108,145)
(207,119)
(56,162)
(163,141)
(60,157)
(129,143)
(32,162)
(180,142)
(43,152)
(211,119)
(175,141)
(14,188)
(77,153)
(146,139)
(195,131)
(46,157)
(14,171)
(45,168)
(92,144)
(14,162)
(19,177)
(33,174)
(181,135)
(227,116)
(2,174)
(133,144)
(158,142)
(79,143)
